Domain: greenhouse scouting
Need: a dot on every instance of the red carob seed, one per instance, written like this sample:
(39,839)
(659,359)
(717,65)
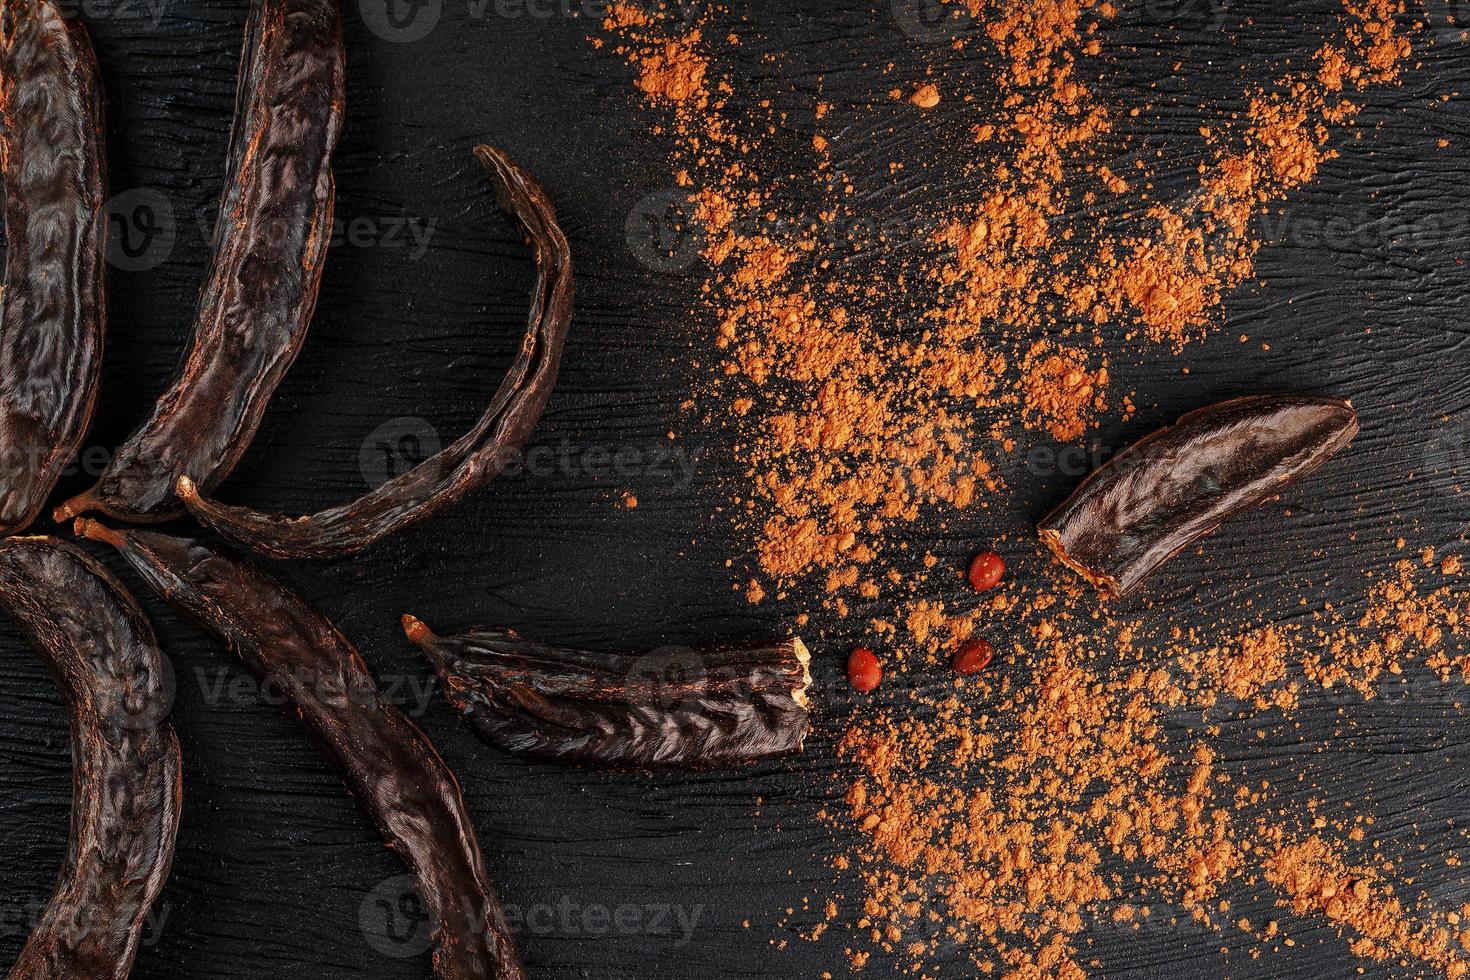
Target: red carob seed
(986,571)
(973,657)
(864,672)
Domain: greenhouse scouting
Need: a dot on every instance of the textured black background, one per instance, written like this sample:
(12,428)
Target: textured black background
(276,864)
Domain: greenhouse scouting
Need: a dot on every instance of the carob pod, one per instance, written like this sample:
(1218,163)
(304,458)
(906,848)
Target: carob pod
(55,310)
(1177,485)
(389,764)
(470,462)
(127,768)
(695,709)
(274,227)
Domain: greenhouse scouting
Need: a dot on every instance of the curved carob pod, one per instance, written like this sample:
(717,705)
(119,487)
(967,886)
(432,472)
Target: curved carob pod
(389,764)
(274,227)
(681,708)
(1177,485)
(55,310)
(127,768)
(470,462)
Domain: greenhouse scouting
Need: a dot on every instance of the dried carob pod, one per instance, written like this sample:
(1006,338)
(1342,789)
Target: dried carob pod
(386,760)
(271,244)
(127,768)
(1177,485)
(472,460)
(676,708)
(55,309)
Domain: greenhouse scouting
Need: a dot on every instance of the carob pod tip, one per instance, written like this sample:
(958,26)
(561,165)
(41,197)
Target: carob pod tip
(1179,484)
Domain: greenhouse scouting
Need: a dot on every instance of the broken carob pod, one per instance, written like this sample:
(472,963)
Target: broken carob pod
(674,709)
(386,760)
(475,458)
(55,310)
(127,768)
(1176,486)
(275,223)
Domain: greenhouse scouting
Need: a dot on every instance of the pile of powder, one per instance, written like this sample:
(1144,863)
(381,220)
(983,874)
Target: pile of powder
(1005,818)
(1173,281)
(1010,816)
(851,430)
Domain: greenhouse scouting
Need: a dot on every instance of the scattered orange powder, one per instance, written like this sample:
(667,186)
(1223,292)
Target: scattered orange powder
(1174,280)
(999,819)
(1355,899)
(856,429)
(1062,393)
(1006,808)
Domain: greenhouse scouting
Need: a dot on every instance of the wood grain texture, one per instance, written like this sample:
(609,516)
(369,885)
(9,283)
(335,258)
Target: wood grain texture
(275,863)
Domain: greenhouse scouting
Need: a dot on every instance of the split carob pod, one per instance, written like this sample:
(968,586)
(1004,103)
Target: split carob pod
(127,767)
(686,709)
(1177,485)
(55,310)
(475,458)
(389,764)
(275,223)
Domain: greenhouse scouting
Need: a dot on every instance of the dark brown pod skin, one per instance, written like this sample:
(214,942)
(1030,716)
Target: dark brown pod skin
(274,227)
(389,764)
(1179,484)
(470,462)
(55,309)
(127,775)
(710,709)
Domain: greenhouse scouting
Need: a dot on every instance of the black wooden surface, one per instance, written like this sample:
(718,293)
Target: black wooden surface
(278,873)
